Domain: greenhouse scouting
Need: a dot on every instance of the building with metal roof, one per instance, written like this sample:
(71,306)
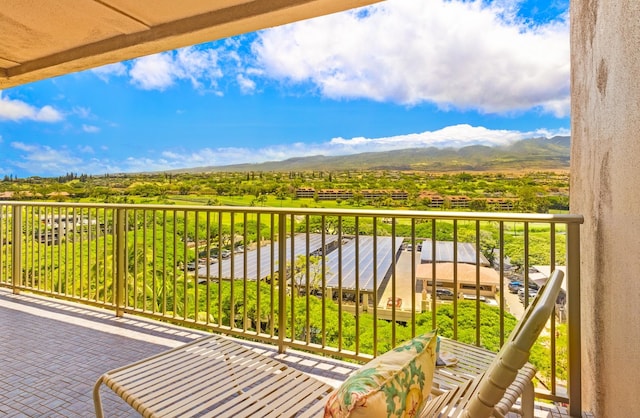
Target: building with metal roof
(365,263)
(462,278)
(444,253)
(259,262)
(358,262)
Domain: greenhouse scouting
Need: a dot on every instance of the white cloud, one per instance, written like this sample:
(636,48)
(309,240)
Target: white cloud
(117,69)
(195,65)
(83,112)
(451,136)
(247,85)
(153,72)
(16,110)
(47,114)
(161,71)
(456,54)
(23,147)
(44,159)
(90,129)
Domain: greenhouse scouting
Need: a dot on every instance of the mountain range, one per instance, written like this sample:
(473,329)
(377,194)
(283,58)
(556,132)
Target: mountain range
(527,154)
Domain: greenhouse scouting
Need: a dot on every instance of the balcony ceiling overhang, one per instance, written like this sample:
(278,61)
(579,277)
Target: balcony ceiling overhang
(42,38)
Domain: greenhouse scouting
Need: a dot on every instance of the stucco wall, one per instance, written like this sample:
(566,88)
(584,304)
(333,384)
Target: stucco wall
(605,188)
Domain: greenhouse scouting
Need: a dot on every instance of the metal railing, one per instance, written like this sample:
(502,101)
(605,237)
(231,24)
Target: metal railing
(345,283)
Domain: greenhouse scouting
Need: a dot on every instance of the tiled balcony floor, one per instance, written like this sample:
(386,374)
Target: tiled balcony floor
(54,351)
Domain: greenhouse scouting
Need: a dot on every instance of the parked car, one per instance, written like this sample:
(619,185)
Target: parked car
(445,294)
(192,265)
(473,297)
(213,252)
(532,294)
(516,285)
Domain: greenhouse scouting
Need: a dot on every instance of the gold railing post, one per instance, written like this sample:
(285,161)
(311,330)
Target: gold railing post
(282,280)
(16,248)
(120,272)
(573,325)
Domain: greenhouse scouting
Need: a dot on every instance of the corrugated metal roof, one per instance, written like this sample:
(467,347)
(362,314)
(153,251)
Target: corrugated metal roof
(368,273)
(267,253)
(444,253)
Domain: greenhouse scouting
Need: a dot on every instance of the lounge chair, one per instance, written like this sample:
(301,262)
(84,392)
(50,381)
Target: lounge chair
(215,376)
(495,391)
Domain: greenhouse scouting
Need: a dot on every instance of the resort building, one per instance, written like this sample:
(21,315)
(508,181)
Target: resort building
(461,278)
(334,194)
(458,202)
(435,200)
(501,204)
(305,193)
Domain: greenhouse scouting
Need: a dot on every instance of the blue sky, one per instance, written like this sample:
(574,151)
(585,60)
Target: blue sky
(398,74)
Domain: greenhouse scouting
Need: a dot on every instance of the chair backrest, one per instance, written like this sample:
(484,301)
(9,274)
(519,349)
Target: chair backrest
(515,352)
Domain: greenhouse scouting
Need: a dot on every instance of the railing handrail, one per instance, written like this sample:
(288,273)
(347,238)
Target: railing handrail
(567,218)
(112,261)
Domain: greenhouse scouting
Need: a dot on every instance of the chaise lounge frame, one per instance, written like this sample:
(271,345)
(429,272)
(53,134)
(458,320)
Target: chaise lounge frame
(216,377)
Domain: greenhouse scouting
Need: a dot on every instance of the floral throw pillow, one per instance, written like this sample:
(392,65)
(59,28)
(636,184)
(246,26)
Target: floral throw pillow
(395,384)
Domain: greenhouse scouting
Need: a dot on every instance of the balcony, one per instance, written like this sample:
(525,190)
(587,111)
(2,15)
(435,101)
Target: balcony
(351,285)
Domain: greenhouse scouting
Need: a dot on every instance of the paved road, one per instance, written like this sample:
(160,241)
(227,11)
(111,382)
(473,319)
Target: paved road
(513,303)
(404,289)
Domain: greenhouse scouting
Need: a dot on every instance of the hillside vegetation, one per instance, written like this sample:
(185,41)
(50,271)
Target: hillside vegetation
(528,154)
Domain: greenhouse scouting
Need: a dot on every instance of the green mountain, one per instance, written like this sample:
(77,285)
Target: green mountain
(527,154)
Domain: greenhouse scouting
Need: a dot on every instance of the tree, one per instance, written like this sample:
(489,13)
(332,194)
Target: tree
(478,205)
(358,198)
(281,193)
(306,269)
(262,199)
(464,177)
(488,245)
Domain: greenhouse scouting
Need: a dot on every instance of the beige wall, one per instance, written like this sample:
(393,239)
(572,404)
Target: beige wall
(605,188)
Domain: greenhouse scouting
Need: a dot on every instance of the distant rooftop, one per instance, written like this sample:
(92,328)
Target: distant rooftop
(384,249)
(444,253)
(360,256)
